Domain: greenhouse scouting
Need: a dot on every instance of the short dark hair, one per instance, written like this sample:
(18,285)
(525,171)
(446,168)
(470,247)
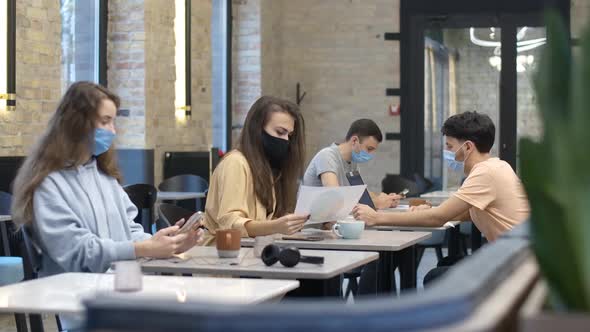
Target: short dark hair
(364,128)
(471,126)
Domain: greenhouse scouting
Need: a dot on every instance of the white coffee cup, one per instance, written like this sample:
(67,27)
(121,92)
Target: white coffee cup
(260,242)
(128,277)
(349,228)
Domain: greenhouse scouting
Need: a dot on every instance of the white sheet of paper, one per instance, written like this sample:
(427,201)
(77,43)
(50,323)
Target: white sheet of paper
(325,204)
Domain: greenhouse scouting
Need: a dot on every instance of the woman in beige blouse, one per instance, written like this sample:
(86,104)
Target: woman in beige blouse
(254,187)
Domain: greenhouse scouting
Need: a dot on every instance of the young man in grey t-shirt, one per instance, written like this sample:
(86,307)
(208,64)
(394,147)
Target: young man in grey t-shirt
(329,166)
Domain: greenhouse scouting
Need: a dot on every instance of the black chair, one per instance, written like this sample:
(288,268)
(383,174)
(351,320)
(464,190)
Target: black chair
(424,185)
(395,183)
(169,214)
(31,253)
(10,248)
(144,197)
(187,183)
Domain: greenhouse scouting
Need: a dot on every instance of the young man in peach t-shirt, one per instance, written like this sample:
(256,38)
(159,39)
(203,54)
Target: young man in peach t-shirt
(491,196)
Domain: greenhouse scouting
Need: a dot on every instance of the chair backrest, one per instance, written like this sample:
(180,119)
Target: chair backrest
(32,251)
(395,183)
(5,202)
(142,195)
(184,182)
(169,214)
(424,185)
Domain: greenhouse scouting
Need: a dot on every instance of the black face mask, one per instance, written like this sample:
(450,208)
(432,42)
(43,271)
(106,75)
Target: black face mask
(276,149)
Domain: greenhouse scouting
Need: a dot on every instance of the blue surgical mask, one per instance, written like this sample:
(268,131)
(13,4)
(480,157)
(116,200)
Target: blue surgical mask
(103,139)
(361,157)
(451,158)
(454,165)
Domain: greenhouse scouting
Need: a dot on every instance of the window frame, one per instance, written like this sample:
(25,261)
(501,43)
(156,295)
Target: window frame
(10,94)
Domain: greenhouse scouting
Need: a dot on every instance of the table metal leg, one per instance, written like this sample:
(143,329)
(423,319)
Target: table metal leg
(21,322)
(370,279)
(455,252)
(36,322)
(319,288)
(407,268)
(386,273)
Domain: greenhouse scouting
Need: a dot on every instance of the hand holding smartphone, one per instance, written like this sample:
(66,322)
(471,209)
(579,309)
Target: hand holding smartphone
(192,223)
(404,192)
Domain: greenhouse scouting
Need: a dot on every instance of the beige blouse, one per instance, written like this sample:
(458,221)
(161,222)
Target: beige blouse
(231,201)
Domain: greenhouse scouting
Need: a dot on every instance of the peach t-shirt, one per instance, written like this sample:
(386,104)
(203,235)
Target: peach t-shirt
(497,198)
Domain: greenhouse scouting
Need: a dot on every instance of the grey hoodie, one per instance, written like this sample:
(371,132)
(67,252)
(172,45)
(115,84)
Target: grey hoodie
(83,221)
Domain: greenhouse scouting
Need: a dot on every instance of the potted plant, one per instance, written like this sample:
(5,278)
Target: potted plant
(556,175)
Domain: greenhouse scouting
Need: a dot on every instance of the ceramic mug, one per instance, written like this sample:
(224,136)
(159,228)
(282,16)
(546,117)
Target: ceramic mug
(349,228)
(228,242)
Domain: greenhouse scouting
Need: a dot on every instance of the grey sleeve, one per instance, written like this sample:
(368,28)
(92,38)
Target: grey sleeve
(137,232)
(326,162)
(66,241)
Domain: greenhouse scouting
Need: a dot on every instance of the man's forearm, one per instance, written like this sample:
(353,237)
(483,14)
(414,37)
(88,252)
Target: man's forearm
(424,218)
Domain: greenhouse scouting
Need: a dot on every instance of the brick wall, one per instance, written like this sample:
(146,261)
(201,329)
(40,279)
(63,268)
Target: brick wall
(142,72)
(336,51)
(246,62)
(165,131)
(161,123)
(38,84)
(271,52)
(126,73)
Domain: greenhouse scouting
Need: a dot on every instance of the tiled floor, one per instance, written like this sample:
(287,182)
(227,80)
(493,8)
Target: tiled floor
(7,321)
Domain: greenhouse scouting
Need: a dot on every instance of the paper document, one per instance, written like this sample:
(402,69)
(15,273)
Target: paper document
(325,204)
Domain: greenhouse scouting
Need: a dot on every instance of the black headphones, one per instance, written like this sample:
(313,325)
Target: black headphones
(289,256)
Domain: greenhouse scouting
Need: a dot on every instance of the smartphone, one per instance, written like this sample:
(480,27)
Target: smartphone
(404,192)
(191,223)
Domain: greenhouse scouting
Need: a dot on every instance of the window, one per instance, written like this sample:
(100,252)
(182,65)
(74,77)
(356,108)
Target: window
(7,55)
(83,41)
(182,28)
(221,74)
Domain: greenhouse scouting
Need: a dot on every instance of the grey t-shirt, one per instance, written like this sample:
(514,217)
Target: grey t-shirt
(328,160)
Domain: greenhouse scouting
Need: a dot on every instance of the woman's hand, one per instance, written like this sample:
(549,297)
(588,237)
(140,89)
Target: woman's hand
(289,224)
(167,242)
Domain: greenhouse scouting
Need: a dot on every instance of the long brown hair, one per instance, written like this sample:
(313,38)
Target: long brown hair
(67,141)
(286,182)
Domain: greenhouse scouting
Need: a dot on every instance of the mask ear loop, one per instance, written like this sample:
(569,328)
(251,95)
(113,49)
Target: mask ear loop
(464,153)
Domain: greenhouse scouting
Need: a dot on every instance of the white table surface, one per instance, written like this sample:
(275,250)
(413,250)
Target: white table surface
(204,260)
(64,293)
(179,195)
(371,240)
(5,217)
(447,225)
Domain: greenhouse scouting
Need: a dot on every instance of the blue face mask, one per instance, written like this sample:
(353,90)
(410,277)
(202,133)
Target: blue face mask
(450,157)
(103,139)
(361,157)
(454,165)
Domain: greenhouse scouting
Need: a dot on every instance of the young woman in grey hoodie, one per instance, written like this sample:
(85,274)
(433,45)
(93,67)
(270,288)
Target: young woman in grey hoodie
(68,191)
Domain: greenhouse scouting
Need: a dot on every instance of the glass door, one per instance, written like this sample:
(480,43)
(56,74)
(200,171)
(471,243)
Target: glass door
(530,42)
(461,73)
